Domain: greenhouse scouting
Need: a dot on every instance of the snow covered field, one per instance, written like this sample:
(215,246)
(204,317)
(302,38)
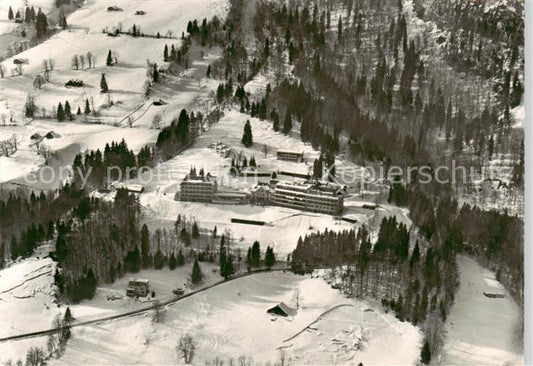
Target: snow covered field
(27,298)
(231,320)
(27,301)
(482,330)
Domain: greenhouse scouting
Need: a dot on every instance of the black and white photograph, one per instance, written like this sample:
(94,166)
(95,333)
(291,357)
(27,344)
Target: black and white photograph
(265,182)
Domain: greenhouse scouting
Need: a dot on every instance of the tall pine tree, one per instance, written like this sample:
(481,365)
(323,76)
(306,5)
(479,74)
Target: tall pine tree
(103,85)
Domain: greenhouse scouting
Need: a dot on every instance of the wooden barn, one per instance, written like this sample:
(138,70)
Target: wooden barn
(281,309)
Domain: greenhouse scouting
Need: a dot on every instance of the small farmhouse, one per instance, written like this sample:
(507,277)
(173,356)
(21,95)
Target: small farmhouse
(137,287)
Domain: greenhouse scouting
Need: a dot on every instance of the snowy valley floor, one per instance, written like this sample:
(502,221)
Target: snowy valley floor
(482,330)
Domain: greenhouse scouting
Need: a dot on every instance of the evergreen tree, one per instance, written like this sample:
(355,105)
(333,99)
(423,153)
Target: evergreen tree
(41,25)
(165,54)
(172,263)
(425,354)
(317,169)
(270,258)
(132,261)
(247,138)
(266,50)
(60,113)
(68,113)
(103,85)
(196,275)
(87,107)
(275,120)
(109,60)
(228,269)
(255,254)
(287,123)
(10,14)
(68,318)
(155,74)
(159,260)
(195,231)
(27,15)
(145,247)
(180,259)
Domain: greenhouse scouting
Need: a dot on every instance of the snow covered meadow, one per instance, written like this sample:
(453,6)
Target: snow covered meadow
(227,321)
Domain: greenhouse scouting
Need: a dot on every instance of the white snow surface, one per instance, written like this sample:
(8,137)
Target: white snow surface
(482,330)
(230,320)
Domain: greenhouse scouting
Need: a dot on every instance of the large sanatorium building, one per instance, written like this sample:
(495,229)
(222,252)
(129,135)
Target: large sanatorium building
(308,197)
(198,187)
(313,197)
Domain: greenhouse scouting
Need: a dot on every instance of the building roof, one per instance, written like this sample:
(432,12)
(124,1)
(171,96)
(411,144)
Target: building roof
(290,152)
(282,308)
(260,187)
(139,280)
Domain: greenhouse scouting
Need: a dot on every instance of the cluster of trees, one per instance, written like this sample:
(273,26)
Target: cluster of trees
(27,218)
(226,259)
(179,134)
(418,286)
(241,164)
(9,146)
(41,25)
(92,167)
(253,256)
(326,161)
(110,229)
(78,62)
(29,240)
(64,113)
(116,163)
(30,15)
(494,238)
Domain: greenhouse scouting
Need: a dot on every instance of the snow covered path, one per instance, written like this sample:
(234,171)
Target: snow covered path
(482,330)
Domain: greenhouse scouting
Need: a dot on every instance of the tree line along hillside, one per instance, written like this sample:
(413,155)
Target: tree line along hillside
(371,83)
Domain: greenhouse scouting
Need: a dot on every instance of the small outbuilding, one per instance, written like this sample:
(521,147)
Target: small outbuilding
(52,135)
(281,309)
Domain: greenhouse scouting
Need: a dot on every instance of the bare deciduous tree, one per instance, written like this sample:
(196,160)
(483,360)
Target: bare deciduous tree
(35,357)
(74,63)
(90,60)
(186,348)
(159,314)
(156,122)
